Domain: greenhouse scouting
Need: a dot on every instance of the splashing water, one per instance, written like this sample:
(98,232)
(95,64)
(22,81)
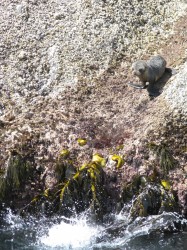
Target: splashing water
(79,233)
(75,234)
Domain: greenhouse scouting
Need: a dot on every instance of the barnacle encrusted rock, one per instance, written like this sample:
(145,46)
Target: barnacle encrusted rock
(176,92)
(63,72)
(76,41)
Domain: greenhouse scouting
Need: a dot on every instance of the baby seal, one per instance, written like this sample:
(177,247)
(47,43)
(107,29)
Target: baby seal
(148,71)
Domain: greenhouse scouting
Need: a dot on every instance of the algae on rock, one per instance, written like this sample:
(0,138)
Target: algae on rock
(17,172)
(77,188)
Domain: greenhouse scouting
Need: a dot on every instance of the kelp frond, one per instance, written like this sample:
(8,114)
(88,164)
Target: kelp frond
(82,141)
(99,159)
(119,159)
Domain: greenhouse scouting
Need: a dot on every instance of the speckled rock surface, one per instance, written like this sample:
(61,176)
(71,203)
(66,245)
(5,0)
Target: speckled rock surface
(176,92)
(48,45)
(64,68)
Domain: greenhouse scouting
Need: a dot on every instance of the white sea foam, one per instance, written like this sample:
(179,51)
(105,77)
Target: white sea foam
(79,233)
(72,235)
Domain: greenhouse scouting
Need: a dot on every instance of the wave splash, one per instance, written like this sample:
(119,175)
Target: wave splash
(168,230)
(74,233)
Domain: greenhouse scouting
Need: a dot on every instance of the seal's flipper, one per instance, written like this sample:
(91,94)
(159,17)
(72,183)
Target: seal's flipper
(137,86)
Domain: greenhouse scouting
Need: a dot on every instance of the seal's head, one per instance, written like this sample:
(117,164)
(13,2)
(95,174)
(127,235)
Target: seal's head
(139,68)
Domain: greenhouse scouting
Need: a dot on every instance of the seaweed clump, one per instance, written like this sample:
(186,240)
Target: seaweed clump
(149,196)
(164,156)
(78,188)
(14,178)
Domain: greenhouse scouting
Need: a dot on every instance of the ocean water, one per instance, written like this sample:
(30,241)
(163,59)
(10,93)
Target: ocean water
(166,231)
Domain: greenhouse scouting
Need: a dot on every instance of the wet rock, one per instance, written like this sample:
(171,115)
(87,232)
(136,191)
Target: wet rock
(152,200)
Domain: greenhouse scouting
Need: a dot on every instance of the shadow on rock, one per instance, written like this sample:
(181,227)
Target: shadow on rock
(155,90)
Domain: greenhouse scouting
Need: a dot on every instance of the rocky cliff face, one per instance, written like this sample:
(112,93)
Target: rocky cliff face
(47,46)
(64,70)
